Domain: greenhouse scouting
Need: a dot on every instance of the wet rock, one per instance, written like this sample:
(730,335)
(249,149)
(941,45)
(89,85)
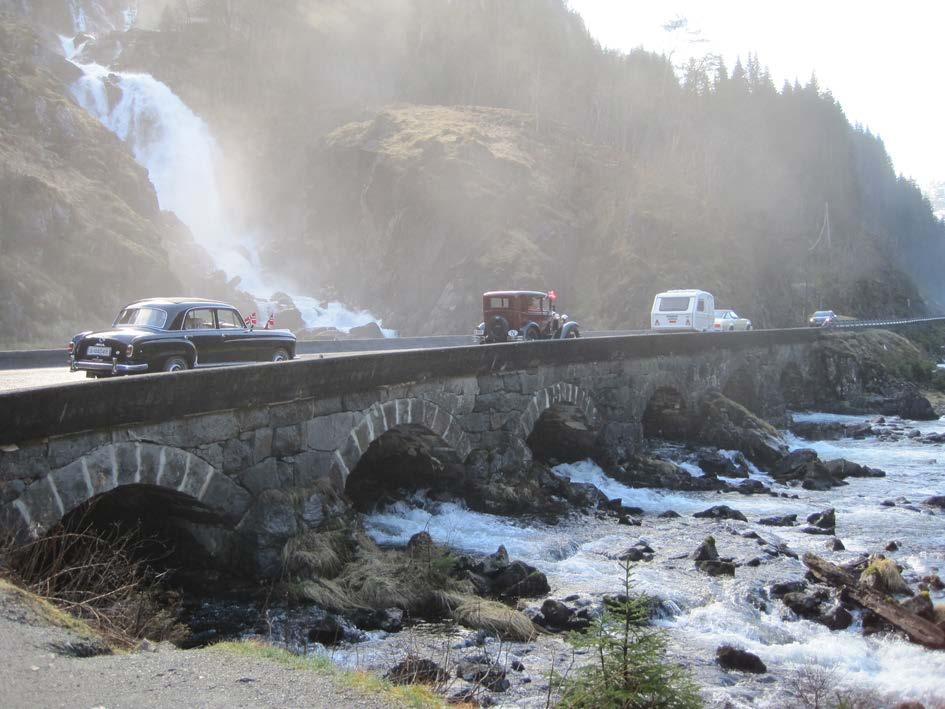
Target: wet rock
(520,580)
(806,604)
(669,514)
(887,503)
(757,561)
(556,613)
(840,468)
(390,620)
(706,551)
(707,560)
(643,471)
(751,487)
(638,552)
(934,582)
(779,521)
(481,670)
(892,546)
(936,501)
(882,575)
(805,466)
(731,658)
(837,618)
(416,670)
(629,521)
(915,407)
(837,545)
(721,512)
(715,463)
(921,605)
(421,545)
(778,590)
(328,629)
(821,522)
(728,425)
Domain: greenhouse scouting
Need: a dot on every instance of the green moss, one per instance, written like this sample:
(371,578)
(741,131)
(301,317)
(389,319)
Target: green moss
(407,695)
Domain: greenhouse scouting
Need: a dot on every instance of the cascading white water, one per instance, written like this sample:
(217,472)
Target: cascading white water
(180,154)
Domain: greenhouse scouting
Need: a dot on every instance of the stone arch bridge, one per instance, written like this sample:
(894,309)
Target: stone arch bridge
(258,452)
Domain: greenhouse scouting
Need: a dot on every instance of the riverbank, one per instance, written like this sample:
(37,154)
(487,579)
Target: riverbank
(39,646)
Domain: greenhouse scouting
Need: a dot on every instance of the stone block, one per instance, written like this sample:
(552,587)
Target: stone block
(190,432)
(272,515)
(291,412)
(331,405)
(313,512)
(253,418)
(327,433)
(65,449)
(237,454)
(212,453)
(476,423)
(73,485)
(102,468)
(263,476)
(262,444)
(226,498)
(360,400)
(312,467)
(42,505)
(27,462)
(174,469)
(153,459)
(10,490)
(128,462)
(287,440)
(196,477)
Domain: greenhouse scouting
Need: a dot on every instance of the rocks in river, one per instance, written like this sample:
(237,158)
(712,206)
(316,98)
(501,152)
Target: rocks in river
(840,468)
(707,560)
(912,405)
(936,501)
(416,670)
(778,590)
(669,514)
(497,575)
(641,551)
(821,522)
(389,620)
(805,466)
(779,521)
(830,430)
(836,618)
(751,487)
(807,603)
(328,629)
(882,575)
(921,605)
(643,471)
(732,658)
(728,425)
(721,512)
(715,462)
(837,545)
(556,613)
(934,582)
(482,670)
(892,546)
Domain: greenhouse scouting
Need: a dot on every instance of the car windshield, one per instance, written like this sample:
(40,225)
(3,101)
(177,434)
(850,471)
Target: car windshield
(142,317)
(822,313)
(674,304)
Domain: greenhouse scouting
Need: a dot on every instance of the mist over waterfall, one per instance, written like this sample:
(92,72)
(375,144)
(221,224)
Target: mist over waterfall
(180,154)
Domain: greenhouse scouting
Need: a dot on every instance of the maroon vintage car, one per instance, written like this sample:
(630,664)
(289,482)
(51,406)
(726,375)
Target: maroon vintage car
(511,315)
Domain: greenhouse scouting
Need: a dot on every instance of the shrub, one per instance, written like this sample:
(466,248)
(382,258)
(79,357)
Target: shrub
(630,669)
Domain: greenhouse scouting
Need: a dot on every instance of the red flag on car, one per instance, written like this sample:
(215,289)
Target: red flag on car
(552,295)
(270,323)
(250,319)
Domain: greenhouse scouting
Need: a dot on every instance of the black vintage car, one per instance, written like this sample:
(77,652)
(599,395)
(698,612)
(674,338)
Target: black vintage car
(173,334)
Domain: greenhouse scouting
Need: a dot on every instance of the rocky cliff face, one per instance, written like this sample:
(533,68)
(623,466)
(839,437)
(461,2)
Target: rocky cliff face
(81,229)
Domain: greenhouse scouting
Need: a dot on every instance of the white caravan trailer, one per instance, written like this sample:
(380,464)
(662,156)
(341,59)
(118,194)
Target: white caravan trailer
(683,310)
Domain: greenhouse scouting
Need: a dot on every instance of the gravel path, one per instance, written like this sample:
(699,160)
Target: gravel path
(34,674)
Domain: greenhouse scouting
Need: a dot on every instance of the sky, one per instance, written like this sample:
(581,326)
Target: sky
(881,60)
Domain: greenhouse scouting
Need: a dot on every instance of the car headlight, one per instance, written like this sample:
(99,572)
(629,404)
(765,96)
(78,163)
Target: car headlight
(513,333)
(129,351)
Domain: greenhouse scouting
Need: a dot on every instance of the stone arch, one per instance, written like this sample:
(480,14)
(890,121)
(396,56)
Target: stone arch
(560,393)
(792,386)
(742,386)
(561,422)
(418,415)
(48,500)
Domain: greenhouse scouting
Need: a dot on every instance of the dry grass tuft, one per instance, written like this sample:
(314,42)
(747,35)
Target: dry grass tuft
(494,617)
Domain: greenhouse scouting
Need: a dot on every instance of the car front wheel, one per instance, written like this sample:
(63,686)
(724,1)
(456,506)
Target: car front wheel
(280,355)
(175,364)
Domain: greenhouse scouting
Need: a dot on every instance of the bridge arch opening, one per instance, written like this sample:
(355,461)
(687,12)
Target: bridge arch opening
(667,415)
(404,459)
(564,433)
(170,532)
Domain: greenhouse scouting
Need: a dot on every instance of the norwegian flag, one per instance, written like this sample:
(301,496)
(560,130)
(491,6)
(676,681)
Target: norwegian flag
(250,319)
(552,296)
(271,322)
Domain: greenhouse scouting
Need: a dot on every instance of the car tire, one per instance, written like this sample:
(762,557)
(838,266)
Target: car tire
(280,355)
(91,375)
(532,334)
(175,364)
(573,334)
(732,329)
(748,327)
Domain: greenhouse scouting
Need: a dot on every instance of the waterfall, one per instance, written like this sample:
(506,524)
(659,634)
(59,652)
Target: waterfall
(179,152)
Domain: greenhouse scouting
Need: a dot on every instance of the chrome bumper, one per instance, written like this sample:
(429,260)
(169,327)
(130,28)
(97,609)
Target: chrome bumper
(108,367)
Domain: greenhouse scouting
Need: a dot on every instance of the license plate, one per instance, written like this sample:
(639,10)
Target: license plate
(480,331)
(672,321)
(95,351)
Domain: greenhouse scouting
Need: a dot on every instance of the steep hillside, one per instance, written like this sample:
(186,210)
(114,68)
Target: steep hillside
(80,228)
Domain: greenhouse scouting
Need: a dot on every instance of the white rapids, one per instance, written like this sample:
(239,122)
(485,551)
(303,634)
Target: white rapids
(579,557)
(176,147)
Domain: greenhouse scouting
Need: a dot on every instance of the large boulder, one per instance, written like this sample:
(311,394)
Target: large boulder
(482,670)
(882,575)
(728,425)
(732,658)
(721,512)
(643,471)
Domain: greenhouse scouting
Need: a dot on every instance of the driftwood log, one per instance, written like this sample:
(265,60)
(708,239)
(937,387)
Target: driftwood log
(917,628)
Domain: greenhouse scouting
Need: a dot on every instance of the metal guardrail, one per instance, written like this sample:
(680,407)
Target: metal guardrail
(864,324)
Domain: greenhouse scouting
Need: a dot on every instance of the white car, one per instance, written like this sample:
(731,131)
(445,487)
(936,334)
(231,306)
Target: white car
(728,321)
